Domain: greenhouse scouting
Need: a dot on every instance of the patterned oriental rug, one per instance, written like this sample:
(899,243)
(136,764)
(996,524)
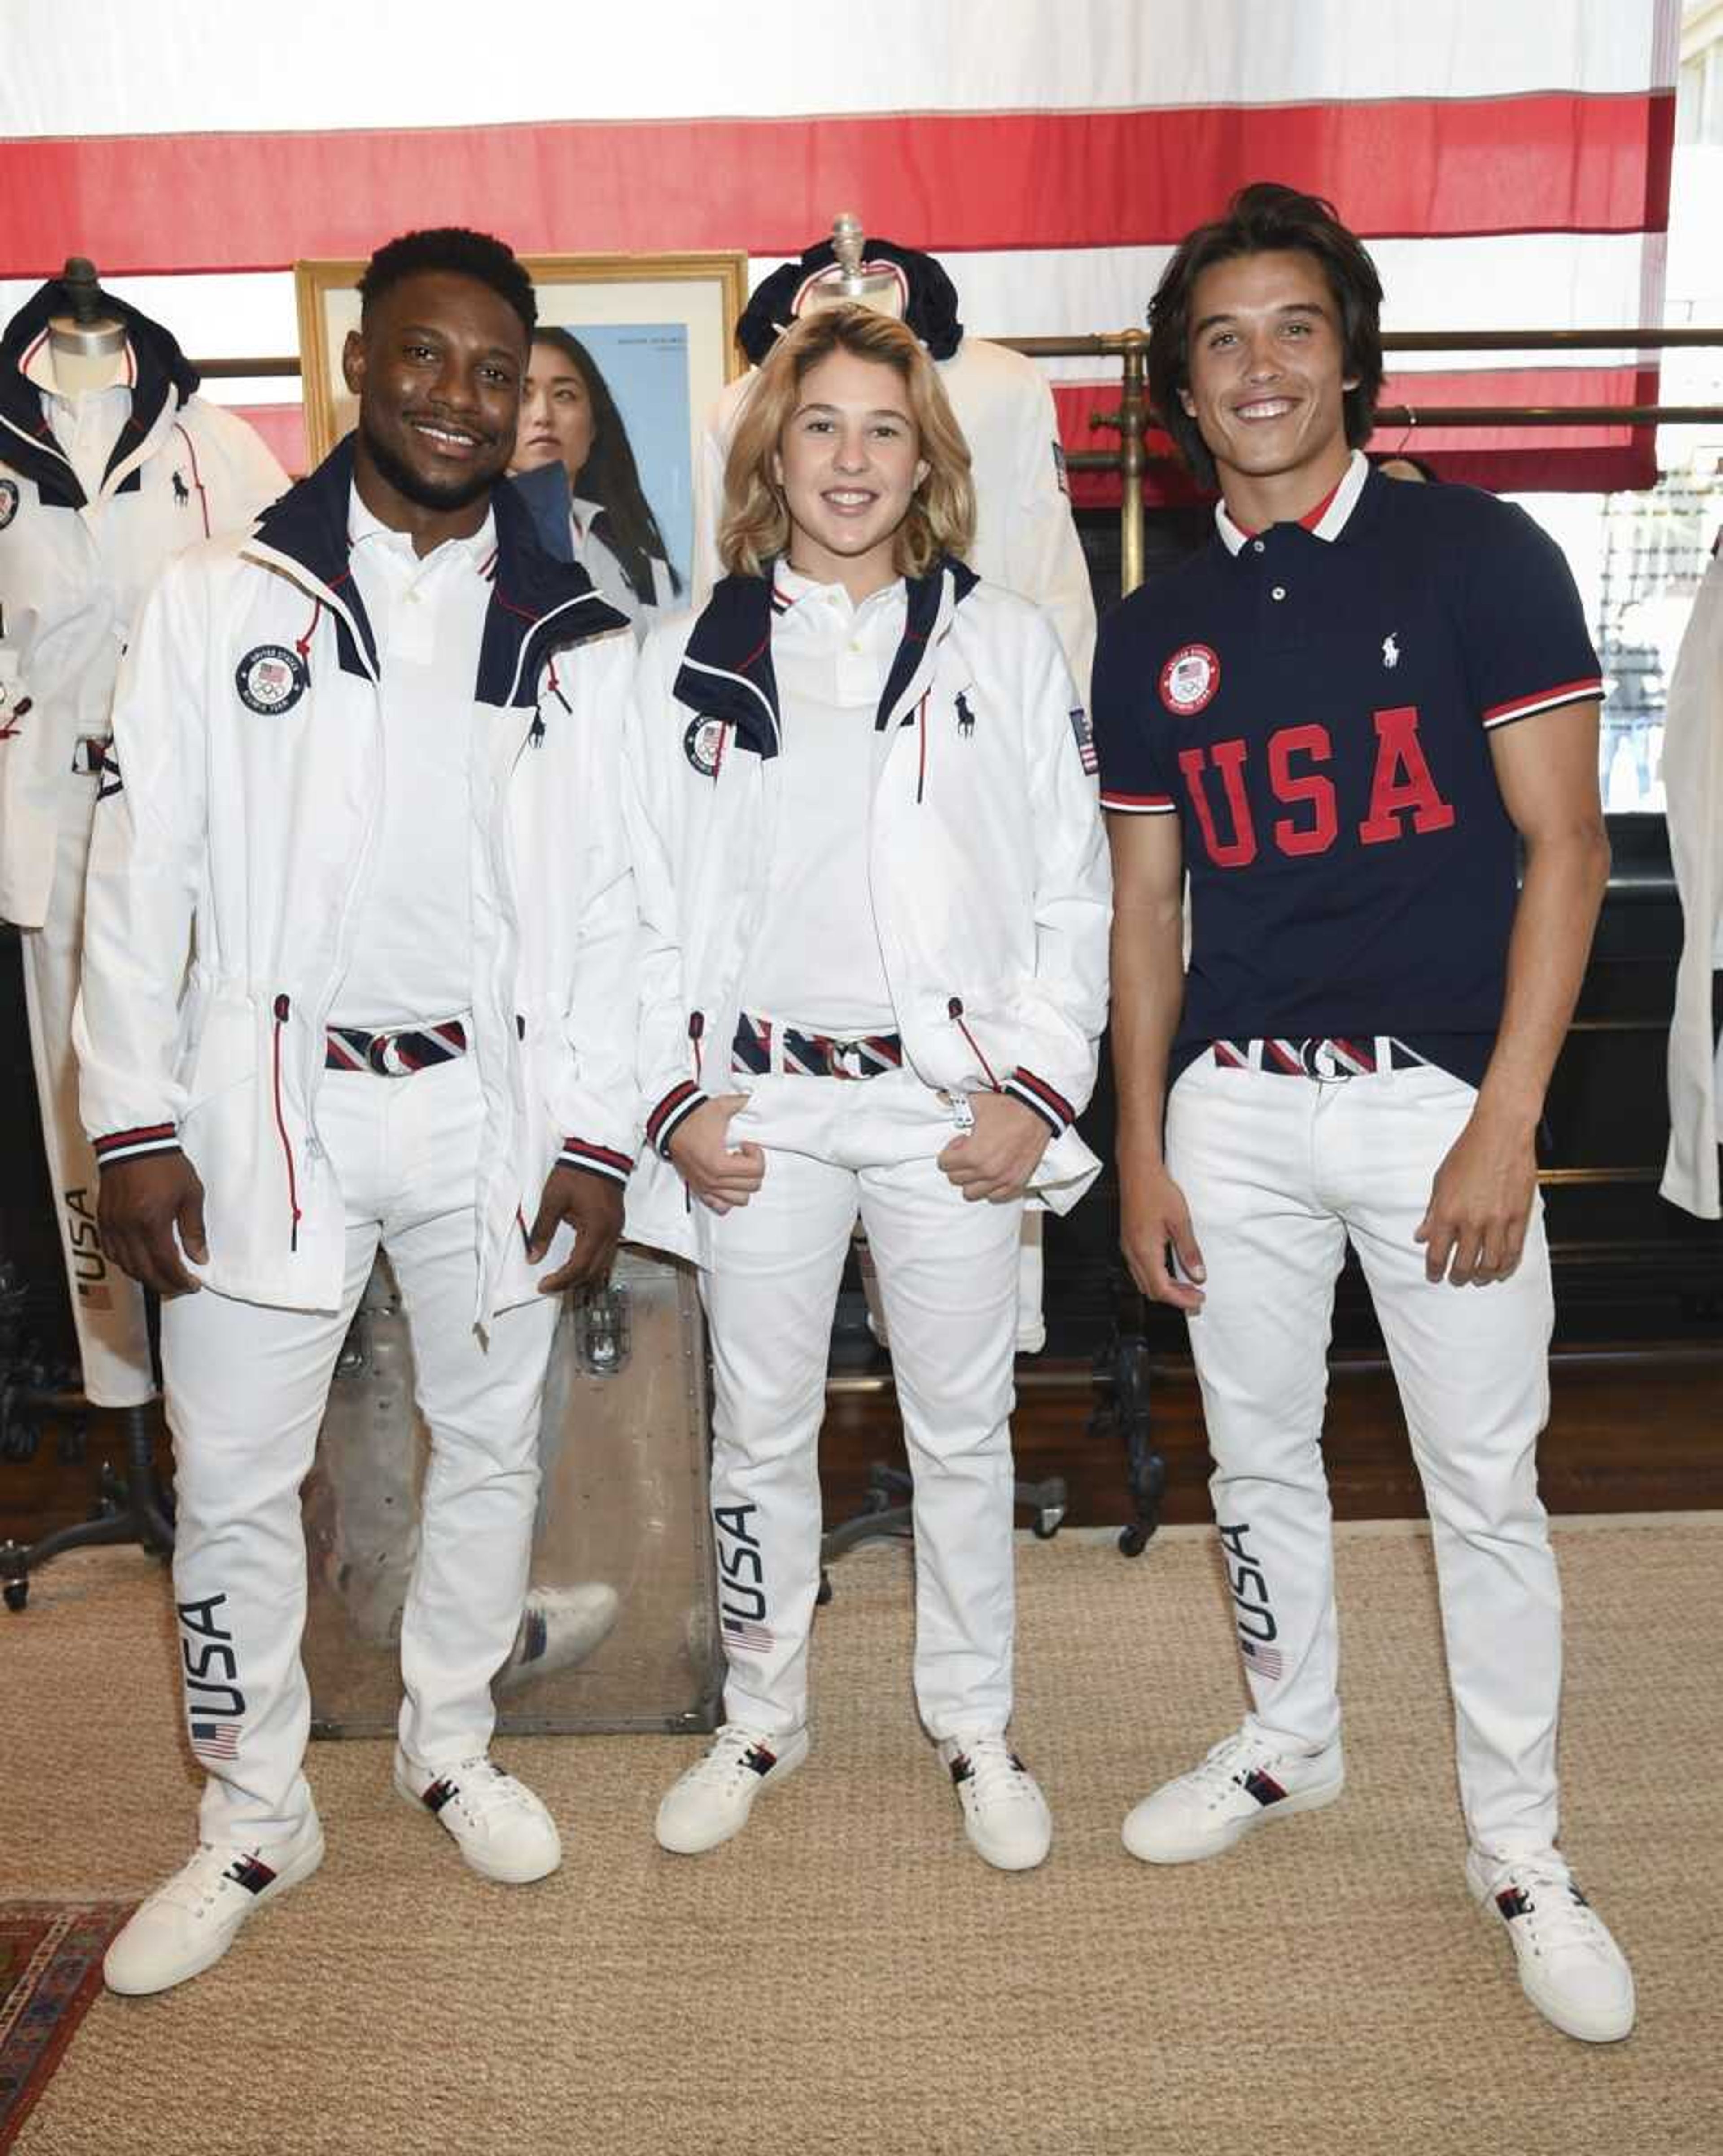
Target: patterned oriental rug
(50,1969)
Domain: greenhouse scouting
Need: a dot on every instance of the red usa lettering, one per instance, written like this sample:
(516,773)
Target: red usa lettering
(1403,794)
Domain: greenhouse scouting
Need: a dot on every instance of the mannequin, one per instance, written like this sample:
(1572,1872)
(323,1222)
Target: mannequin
(110,463)
(1025,538)
(86,345)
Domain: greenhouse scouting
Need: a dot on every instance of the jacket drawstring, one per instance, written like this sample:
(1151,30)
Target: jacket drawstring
(282,1007)
(954,1009)
(921,771)
(302,644)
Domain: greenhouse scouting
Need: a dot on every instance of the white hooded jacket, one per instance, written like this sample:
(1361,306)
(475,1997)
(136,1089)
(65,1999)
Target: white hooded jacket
(74,570)
(1692,785)
(988,873)
(235,828)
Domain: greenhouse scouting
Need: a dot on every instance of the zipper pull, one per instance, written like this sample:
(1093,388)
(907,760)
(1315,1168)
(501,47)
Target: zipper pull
(696,1028)
(535,732)
(955,1008)
(282,1008)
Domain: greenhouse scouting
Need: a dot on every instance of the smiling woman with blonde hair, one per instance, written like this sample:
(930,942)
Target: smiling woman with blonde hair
(869,862)
(940,516)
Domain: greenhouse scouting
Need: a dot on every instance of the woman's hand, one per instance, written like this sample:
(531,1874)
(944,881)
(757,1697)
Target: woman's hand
(996,1159)
(721,1175)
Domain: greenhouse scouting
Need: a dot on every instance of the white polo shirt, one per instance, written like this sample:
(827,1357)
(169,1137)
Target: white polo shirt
(411,945)
(815,962)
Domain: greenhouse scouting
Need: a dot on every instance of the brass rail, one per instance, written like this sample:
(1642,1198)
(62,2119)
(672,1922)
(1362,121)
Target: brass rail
(1132,416)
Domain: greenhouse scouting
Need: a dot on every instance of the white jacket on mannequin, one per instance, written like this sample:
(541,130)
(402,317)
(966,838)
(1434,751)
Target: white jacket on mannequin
(1693,789)
(74,570)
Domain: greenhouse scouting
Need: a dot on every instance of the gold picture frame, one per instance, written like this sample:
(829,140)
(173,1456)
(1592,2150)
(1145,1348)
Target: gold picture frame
(661,327)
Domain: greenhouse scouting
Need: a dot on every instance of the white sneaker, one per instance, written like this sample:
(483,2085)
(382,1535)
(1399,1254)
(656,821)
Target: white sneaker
(1244,1781)
(712,1800)
(1005,1814)
(1570,1968)
(558,1628)
(188,1925)
(504,1832)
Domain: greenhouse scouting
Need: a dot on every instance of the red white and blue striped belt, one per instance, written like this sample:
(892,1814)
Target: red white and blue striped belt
(397,1054)
(812,1055)
(1327,1059)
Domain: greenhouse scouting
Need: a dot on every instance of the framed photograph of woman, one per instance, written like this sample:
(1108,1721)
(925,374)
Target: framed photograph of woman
(632,351)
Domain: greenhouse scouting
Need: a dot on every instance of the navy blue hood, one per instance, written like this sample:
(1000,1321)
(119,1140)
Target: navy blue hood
(160,366)
(930,311)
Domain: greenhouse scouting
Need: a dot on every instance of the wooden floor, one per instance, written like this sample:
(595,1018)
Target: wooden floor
(1634,1429)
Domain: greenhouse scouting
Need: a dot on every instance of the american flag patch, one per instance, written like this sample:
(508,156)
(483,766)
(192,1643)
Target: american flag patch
(1085,741)
(1260,1660)
(216,1740)
(752,1639)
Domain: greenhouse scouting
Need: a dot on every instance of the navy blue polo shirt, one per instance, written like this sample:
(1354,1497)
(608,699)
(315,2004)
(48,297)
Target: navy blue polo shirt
(1315,703)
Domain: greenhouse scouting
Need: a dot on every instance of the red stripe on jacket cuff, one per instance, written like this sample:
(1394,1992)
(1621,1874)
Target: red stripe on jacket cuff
(672,1112)
(601,1160)
(1054,1099)
(146,1137)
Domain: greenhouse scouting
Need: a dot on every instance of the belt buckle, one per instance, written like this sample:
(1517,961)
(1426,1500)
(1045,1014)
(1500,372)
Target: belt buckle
(384,1057)
(1308,1052)
(843,1058)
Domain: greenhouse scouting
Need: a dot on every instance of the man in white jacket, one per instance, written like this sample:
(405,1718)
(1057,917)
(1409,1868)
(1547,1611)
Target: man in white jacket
(365,779)
(109,467)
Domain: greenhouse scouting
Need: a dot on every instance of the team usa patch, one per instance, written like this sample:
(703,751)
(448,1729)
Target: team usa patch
(9,499)
(1189,680)
(1084,733)
(703,745)
(271,679)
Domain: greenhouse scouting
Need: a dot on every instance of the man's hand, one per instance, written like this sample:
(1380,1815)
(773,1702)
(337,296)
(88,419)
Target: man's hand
(139,1204)
(996,1159)
(1152,1213)
(592,1206)
(1474,1226)
(721,1175)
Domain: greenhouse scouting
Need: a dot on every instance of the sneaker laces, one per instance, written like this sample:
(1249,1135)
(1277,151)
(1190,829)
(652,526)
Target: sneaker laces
(1556,1918)
(206,1878)
(996,1775)
(727,1765)
(1223,1768)
(482,1789)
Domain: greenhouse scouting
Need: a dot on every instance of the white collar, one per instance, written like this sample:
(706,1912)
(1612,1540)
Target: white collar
(362,525)
(1327,521)
(790,587)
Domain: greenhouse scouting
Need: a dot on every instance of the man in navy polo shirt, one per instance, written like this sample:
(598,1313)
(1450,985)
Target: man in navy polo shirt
(1338,716)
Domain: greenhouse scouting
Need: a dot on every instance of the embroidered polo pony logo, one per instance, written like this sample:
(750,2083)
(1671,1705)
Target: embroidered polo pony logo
(966,716)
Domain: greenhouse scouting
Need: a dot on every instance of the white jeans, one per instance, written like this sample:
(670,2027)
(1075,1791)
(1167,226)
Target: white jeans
(948,1273)
(107,1307)
(1280,1172)
(245,1387)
